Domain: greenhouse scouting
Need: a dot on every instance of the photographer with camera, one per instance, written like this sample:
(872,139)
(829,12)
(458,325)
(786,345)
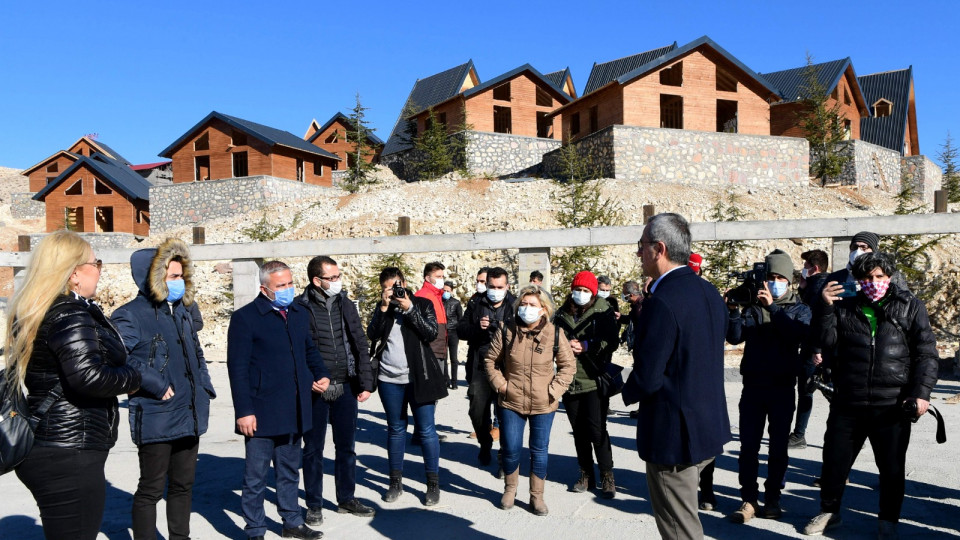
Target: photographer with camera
(773,325)
(809,285)
(885,364)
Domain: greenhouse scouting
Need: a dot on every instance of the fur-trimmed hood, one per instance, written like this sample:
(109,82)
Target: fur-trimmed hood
(149,269)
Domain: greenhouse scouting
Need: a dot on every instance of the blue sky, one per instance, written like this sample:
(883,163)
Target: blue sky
(141,73)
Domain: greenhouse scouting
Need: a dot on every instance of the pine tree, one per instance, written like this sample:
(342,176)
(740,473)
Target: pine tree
(911,251)
(724,257)
(822,125)
(360,167)
(435,157)
(951,170)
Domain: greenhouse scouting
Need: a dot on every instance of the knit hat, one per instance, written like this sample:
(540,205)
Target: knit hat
(585,279)
(867,238)
(779,262)
(694,262)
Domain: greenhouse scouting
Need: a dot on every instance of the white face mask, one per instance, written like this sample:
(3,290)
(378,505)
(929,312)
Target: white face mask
(496,295)
(335,288)
(438,283)
(580,298)
(529,314)
(603,294)
(855,254)
(481,287)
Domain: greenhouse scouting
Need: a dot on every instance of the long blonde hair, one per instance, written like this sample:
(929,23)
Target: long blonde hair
(48,276)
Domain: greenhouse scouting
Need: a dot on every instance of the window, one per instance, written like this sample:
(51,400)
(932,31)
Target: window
(143,216)
(75,189)
(847,133)
(726,116)
(671,111)
(240,164)
(73,219)
(238,138)
(846,97)
(317,168)
(544,126)
(882,108)
(594,121)
(53,167)
(575,124)
(299,170)
(336,166)
(725,81)
(333,137)
(543,98)
(836,93)
(673,75)
(502,92)
(202,142)
(51,179)
(202,168)
(100,188)
(104,218)
(442,118)
(502,121)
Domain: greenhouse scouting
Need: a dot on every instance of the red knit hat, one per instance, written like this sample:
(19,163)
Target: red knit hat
(585,279)
(695,261)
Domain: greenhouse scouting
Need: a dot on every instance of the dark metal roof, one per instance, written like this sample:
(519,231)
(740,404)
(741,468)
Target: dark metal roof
(267,134)
(425,94)
(559,78)
(511,74)
(893,86)
(790,82)
(346,120)
(111,152)
(117,173)
(601,74)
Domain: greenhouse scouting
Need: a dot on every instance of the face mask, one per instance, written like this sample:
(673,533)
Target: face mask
(777,288)
(874,290)
(581,297)
(446,295)
(335,288)
(805,273)
(855,254)
(438,283)
(481,287)
(603,294)
(626,297)
(283,297)
(529,314)
(496,295)
(175,289)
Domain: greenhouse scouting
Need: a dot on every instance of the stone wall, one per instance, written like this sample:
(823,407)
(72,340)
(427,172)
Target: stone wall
(502,155)
(97,240)
(338,176)
(597,148)
(870,165)
(693,157)
(923,175)
(192,203)
(22,206)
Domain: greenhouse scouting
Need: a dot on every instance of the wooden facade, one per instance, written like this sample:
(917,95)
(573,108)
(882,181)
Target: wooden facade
(332,137)
(785,118)
(87,201)
(47,170)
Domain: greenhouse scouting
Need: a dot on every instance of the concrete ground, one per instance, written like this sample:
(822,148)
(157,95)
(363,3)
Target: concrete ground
(468,504)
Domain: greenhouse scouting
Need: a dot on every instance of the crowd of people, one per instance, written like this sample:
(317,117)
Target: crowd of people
(299,363)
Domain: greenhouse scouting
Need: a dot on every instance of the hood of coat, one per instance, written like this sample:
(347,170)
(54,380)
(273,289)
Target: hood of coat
(149,270)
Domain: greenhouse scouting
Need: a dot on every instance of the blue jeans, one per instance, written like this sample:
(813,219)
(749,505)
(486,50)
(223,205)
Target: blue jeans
(395,398)
(285,453)
(511,440)
(342,415)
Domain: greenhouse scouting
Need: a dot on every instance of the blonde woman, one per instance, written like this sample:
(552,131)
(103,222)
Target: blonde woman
(68,355)
(530,365)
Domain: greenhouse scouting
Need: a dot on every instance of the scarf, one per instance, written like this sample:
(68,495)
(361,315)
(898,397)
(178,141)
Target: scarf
(435,295)
(788,298)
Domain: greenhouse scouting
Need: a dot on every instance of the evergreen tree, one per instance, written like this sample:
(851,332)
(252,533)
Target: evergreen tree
(951,170)
(724,257)
(911,251)
(822,125)
(360,167)
(368,291)
(435,157)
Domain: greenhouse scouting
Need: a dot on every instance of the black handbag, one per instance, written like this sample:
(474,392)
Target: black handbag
(16,423)
(610,381)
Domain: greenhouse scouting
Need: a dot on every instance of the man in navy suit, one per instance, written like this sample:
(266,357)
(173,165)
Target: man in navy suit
(677,376)
(273,365)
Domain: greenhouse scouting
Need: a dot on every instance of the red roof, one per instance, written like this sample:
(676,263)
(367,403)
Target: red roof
(146,166)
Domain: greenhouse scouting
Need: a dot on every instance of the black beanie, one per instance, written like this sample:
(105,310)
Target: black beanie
(867,238)
(779,262)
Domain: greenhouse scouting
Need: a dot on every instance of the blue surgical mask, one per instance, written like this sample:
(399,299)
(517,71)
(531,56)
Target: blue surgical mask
(777,288)
(446,295)
(283,297)
(175,290)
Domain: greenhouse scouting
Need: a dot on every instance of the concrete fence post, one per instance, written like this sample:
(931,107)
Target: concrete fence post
(840,252)
(19,274)
(246,281)
(531,259)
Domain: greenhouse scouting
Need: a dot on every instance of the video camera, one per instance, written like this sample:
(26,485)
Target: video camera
(820,380)
(746,293)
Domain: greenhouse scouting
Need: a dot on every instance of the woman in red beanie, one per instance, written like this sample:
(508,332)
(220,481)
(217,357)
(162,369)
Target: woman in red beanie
(591,326)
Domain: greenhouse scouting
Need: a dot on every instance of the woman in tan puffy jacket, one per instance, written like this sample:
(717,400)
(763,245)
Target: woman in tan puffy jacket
(530,365)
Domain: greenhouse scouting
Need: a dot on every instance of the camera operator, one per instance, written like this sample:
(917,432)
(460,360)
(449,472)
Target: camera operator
(773,326)
(884,368)
(811,282)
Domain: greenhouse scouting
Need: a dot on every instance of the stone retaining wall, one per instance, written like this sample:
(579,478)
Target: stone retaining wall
(503,156)
(192,203)
(22,206)
(870,165)
(923,175)
(97,240)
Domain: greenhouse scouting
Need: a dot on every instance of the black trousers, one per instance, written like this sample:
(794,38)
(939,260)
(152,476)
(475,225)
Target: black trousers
(759,406)
(171,465)
(587,413)
(70,489)
(482,399)
(889,433)
(452,342)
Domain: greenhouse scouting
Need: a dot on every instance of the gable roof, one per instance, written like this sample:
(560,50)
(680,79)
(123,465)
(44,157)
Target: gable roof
(559,78)
(602,74)
(511,74)
(267,134)
(425,94)
(109,152)
(345,120)
(63,153)
(312,129)
(893,86)
(120,175)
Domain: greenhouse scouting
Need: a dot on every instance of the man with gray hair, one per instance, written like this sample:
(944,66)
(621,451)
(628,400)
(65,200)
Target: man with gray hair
(677,376)
(273,365)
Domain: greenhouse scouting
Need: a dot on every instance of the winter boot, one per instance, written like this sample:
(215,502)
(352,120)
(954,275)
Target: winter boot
(537,506)
(396,487)
(510,482)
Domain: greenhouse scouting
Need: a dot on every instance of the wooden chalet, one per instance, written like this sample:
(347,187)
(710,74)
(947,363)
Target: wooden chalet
(332,137)
(699,86)
(837,78)
(222,146)
(892,122)
(50,168)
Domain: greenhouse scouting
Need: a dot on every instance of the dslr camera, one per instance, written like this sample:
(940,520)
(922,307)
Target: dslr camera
(751,283)
(398,290)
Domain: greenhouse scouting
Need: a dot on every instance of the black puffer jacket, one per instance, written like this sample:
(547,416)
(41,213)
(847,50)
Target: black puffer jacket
(898,363)
(78,346)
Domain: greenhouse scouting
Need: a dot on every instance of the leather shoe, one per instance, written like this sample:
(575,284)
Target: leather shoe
(356,508)
(301,532)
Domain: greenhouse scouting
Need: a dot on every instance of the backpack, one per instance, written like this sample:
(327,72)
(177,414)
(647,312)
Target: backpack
(17,424)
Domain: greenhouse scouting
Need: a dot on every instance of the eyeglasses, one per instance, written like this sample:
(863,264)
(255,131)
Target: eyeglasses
(642,243)
(332,278)
(98,263)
